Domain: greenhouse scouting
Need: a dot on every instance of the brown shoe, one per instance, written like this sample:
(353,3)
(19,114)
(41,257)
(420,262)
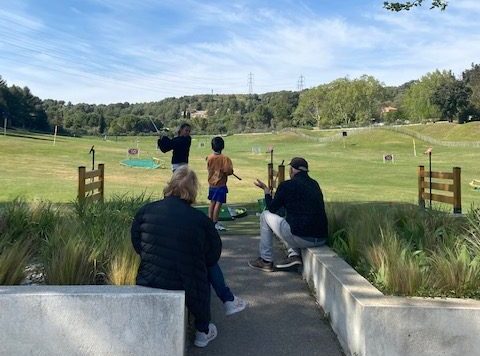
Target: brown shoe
(262,265)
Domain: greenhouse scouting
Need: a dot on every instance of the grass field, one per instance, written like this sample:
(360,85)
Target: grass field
(351,170)
(449,131)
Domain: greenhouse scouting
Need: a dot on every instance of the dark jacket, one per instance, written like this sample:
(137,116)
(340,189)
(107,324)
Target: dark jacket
(176,243)
(180,146)
(302,199)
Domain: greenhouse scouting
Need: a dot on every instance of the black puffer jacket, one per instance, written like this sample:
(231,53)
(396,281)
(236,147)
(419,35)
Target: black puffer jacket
(176,243)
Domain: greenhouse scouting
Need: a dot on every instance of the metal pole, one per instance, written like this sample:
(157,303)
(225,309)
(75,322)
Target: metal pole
(430,174)
(92,151)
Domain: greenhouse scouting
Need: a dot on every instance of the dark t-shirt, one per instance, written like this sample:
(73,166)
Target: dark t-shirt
(180,146)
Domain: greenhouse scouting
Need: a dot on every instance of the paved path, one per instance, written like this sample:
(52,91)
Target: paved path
(282,317)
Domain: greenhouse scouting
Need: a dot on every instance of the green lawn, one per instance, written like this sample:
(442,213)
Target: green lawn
(351,170)
(449,131)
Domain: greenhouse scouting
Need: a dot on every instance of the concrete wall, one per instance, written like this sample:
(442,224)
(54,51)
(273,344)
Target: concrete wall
(369,323)
(91,320)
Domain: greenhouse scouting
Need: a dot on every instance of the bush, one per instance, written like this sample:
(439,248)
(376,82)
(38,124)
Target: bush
(405,250)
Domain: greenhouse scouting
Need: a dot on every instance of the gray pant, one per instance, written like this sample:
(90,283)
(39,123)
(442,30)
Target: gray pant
(273,224)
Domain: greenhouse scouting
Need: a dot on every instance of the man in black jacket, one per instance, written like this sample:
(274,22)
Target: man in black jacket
(305,224)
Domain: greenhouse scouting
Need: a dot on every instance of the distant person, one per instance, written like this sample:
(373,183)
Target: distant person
(180,145)
(219,168)
(305,224)
(179,249)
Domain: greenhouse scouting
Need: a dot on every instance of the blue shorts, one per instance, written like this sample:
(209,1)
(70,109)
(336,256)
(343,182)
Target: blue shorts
(218,194)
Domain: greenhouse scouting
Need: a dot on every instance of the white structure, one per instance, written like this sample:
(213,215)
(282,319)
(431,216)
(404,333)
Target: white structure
(367,323)
(91,320)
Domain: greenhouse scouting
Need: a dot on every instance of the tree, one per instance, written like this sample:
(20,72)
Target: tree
(452,99)
(407,5)
(3,97)
(417,101)
(471,77)
(341,102)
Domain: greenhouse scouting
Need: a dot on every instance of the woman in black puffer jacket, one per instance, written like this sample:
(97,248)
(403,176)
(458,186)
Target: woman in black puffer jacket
(179,249)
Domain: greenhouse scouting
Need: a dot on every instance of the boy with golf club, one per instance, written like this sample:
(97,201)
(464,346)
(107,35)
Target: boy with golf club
(219,168)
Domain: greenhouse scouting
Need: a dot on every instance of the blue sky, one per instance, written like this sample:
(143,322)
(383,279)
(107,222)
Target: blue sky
(104,51)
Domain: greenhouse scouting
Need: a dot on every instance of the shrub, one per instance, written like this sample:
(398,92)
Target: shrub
(395,268)
(455,272)
(13,260)
(124,266)
(405,250)
(67,257)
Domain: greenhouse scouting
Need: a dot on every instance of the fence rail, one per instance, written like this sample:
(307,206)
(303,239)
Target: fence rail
(426,185)
(94,189)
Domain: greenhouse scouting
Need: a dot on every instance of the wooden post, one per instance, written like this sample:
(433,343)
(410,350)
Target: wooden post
(281,174)
(270,176)
(457,191)
(81,184)
(421,179)
(101,168)
(55,135)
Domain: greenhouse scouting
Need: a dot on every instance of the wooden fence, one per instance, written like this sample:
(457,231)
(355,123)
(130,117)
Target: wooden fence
(444,187)
(93,189)
(275,178)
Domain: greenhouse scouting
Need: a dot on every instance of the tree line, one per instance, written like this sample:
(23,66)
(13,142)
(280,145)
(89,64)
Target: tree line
(342,102)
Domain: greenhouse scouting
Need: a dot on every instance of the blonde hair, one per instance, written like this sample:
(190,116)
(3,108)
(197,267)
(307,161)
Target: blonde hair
(183,184)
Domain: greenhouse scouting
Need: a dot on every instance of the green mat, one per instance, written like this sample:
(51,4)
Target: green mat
(226,213)
(140,163)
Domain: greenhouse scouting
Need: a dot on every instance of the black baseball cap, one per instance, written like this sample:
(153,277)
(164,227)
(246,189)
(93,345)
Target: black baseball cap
(299,163)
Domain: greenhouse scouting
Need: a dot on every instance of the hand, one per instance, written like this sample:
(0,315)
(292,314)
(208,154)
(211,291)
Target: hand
(262,185)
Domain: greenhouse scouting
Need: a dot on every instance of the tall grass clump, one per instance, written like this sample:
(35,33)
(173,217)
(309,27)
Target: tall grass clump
(394,267)
(455,272)
(404,250)
(14,257)
(15,217)
(123,267)
(106,226)
(28,221)
(472,236)
(79,244)
(67,257)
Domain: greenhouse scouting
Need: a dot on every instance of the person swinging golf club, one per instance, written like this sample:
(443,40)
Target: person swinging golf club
(180,145)
(305,224)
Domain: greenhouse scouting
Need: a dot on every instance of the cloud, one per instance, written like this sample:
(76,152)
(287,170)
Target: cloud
(145,51)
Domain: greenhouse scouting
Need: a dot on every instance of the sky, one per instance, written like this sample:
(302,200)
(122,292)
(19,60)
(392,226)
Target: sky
(107,51)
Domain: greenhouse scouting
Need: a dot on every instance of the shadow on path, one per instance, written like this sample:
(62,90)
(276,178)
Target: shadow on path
(282,317)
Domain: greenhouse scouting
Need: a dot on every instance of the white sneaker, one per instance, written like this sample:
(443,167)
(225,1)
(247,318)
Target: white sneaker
(202,339)
(220,227)
(234,306)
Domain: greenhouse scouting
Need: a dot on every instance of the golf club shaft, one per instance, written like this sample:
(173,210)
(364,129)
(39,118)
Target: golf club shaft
(154,125)
(236,176)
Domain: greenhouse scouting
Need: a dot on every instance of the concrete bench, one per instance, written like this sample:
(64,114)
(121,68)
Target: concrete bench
(368,323)
(91,320)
